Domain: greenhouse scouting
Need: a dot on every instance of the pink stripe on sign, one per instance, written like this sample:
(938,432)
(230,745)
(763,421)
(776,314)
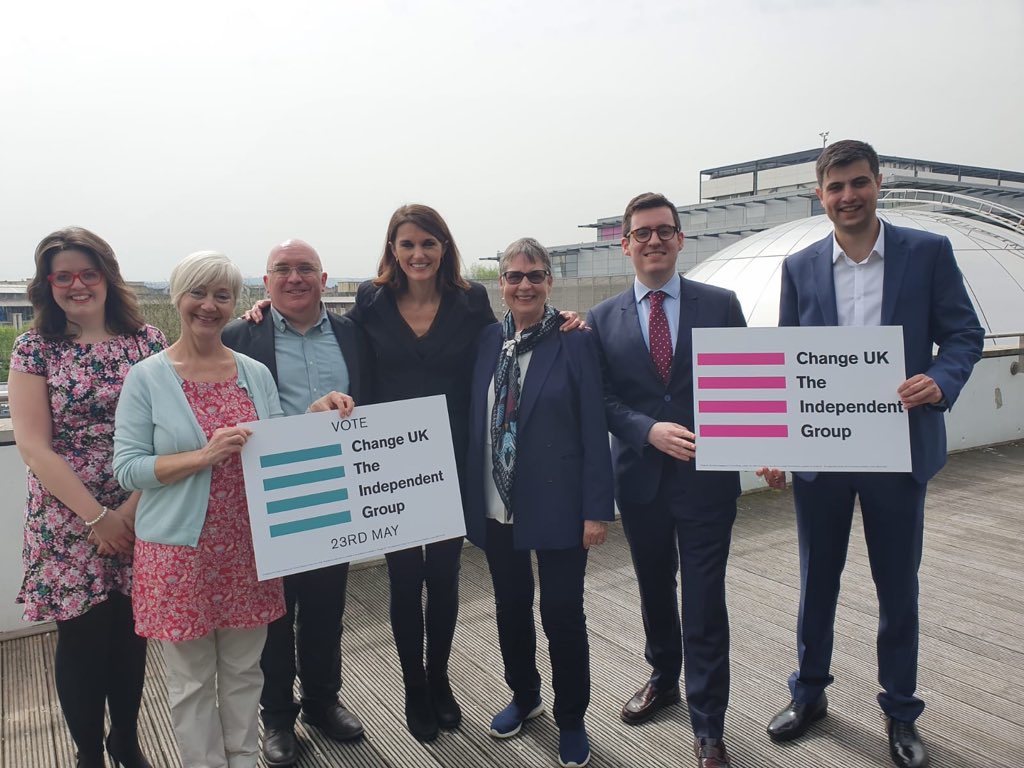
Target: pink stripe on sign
(741,382)
(743,406)
(744,430)
(741,358)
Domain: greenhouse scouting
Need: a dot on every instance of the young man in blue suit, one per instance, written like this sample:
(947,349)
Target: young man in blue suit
(870,273)
(309,352)
(674,517)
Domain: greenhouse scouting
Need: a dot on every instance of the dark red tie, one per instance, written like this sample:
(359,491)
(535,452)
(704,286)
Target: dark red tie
(661,339)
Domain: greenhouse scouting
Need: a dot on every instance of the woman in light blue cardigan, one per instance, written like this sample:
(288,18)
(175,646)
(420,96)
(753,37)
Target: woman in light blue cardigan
(177,440)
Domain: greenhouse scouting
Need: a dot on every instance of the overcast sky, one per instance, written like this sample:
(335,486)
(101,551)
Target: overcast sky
(234,124)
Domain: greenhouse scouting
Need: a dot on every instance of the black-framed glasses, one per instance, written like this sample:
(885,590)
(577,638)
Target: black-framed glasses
(536,276)
(643,234)
(303,270)
(65,279)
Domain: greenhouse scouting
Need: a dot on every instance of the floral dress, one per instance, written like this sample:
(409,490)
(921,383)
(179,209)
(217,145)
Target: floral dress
(63,574)
(181,592)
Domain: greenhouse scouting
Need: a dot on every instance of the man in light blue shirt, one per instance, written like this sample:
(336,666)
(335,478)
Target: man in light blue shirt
(310,352)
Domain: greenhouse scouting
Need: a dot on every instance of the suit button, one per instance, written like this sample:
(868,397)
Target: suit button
(668,398)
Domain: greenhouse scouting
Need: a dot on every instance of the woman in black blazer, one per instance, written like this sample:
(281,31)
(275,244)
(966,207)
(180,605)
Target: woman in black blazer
(421,319)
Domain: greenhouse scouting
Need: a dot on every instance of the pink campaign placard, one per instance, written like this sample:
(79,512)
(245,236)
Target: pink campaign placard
(802,399)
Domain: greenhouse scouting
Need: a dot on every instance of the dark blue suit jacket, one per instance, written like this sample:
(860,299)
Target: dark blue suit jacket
(636,397)
(922,291)
(563,463)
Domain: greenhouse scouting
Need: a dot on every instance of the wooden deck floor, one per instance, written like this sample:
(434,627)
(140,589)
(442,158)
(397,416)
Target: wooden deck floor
(971,660)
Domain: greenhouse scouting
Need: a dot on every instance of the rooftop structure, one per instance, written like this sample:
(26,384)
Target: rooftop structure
(990,255)
(742,199)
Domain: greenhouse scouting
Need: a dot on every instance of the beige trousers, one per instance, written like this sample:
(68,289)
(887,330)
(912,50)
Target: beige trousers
(213,688)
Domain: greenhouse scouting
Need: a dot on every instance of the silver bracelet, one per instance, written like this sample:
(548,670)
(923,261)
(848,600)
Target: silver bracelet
(100,516)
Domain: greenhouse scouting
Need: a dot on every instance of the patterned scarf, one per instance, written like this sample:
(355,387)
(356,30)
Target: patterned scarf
(505,415)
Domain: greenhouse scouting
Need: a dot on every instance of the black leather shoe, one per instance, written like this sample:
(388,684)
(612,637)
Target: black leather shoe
(280,749)
(125,752)
(336,722)
(647,701)
(711,753)
(446,708)
(419,713)
(796,718)
(905,745)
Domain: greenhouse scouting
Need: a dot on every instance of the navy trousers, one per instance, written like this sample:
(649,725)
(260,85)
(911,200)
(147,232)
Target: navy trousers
(672,535)
(892,506)
(561,573)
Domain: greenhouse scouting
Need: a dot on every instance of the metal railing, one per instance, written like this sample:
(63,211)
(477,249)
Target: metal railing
(1017,365)
(1002,215)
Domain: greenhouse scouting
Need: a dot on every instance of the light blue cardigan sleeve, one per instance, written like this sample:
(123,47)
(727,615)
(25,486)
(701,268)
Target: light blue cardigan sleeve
(134,452)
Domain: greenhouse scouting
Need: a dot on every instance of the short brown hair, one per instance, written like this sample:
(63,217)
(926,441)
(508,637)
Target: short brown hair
(121,310)
(449,274)
(643,202)
(843,153)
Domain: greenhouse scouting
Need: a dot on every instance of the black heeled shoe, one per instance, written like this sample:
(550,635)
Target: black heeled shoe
(125,755)
(83,761)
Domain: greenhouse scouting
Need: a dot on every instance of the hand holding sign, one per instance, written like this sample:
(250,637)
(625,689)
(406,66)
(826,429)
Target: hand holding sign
(919,390)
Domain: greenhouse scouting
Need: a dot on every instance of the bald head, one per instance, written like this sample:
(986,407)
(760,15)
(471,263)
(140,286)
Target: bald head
(295,280)
(297,249)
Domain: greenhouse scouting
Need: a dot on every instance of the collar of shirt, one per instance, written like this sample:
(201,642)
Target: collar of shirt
(281,322)
(879,248)
(672,288)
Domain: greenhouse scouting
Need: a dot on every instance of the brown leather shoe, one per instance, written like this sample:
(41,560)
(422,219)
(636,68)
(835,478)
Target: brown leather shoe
(647,701)
(711,753)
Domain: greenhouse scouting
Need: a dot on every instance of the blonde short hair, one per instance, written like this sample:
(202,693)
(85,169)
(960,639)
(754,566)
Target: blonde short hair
(204,268)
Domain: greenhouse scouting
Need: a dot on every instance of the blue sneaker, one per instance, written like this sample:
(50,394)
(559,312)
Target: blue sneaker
(573,748)
(510,720)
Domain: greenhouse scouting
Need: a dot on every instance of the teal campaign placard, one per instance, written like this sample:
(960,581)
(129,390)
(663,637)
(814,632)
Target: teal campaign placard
(323,489)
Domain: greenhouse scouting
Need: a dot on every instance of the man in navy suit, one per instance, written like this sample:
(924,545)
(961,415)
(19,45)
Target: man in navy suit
(674,517)
(310,352)
(870,273)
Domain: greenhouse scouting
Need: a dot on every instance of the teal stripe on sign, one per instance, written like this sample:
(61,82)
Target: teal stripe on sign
(303,478)
(310,500)
(310,524)
(306,454)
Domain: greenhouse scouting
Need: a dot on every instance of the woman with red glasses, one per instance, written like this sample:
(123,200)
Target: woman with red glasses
(65,381)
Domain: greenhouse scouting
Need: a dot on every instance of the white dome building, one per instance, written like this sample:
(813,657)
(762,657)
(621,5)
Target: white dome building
(990,255)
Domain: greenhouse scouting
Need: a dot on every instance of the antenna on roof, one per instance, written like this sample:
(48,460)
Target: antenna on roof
(824,138)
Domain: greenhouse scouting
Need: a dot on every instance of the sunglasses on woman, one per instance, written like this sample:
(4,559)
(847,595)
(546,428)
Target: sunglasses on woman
(535,276)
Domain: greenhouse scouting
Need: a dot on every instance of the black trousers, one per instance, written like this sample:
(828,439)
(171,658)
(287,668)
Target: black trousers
(436,566)
(677,535)
(306,641)
(561,573)
(99,662)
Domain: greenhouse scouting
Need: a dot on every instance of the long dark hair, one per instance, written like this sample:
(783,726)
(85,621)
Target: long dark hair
(121,310)
(449,273)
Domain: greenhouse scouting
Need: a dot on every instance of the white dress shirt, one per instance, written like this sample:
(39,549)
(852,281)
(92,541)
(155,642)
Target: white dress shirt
(859,285)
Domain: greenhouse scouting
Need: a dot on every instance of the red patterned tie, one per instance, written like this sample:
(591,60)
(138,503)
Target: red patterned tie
(661,339)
